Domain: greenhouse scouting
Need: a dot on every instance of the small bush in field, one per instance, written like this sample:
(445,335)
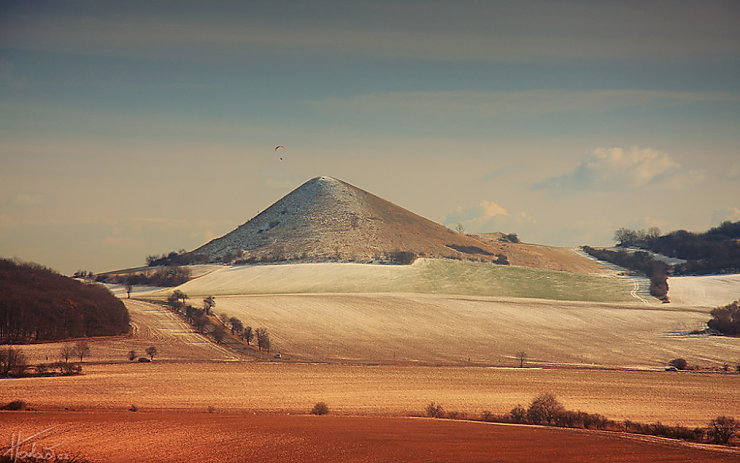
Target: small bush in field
(679,363)
(722,429)
(320,409)
(434,410)
(15,405)
(518,414)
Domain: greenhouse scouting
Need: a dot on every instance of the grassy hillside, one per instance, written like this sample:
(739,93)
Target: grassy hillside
(424,276)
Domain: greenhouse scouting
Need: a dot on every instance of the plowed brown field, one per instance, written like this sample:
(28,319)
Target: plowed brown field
(202,437)
(691,399)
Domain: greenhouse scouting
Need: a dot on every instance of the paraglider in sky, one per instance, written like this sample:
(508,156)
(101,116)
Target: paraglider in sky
(278,147)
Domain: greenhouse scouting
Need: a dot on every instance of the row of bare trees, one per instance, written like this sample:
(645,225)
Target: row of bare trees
(199,318)
(13,361)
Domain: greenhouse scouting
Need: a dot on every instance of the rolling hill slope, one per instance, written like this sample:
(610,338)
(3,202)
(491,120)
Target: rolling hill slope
(326,219)
(428,276)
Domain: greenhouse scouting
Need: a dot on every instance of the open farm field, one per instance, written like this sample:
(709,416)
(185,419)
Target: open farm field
(441,329)
(233,437)
(704,291)
(428,329)
(690,399)
(432,276)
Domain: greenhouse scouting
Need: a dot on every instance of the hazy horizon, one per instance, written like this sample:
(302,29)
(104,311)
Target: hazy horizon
(138,128)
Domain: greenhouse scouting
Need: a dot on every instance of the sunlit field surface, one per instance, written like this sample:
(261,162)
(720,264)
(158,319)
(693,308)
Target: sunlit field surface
(237,437)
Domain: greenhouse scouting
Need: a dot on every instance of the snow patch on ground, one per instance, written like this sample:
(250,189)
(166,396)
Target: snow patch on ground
(705,290)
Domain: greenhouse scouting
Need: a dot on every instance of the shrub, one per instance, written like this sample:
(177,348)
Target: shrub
(544,409)
(151,351)
(518,414)
(69,369)
(726,319)
(133,408)
(402,257)
(320,409)
(15,405)
(511,238)
(722,429)
(678,363)
(434,410)
(43,369)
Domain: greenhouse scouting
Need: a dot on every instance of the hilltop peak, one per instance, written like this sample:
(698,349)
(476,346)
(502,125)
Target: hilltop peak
(329,219)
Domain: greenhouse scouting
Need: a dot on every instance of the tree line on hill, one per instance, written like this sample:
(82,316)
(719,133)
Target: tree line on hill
(38,304)
(14,363)
(168,276)
(181,257)
(714,251)
(175,259)
(199,319)
(641,262)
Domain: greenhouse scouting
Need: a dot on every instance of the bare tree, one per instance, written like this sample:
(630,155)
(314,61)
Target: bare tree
(174,300)
(200,321)
(81,348)
(722,429)
(434,410)
(522,356)
(248,334)
(180,296)
(544,409)
(208,304)
(263,339)
(236,325)
(12,362)
(218,334)
(151,351)
(66,352)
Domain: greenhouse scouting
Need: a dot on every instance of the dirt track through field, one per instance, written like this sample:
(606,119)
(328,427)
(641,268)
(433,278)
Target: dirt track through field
(174,437)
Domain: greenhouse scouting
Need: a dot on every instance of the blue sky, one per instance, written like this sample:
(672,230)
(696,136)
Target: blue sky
(134,128)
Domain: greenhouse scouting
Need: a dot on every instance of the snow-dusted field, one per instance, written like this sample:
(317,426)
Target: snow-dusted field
(430,328)
(435,276)
(454,313)
(704,291)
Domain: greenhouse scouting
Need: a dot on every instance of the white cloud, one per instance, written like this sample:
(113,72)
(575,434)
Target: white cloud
(487,216)
(618,168)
